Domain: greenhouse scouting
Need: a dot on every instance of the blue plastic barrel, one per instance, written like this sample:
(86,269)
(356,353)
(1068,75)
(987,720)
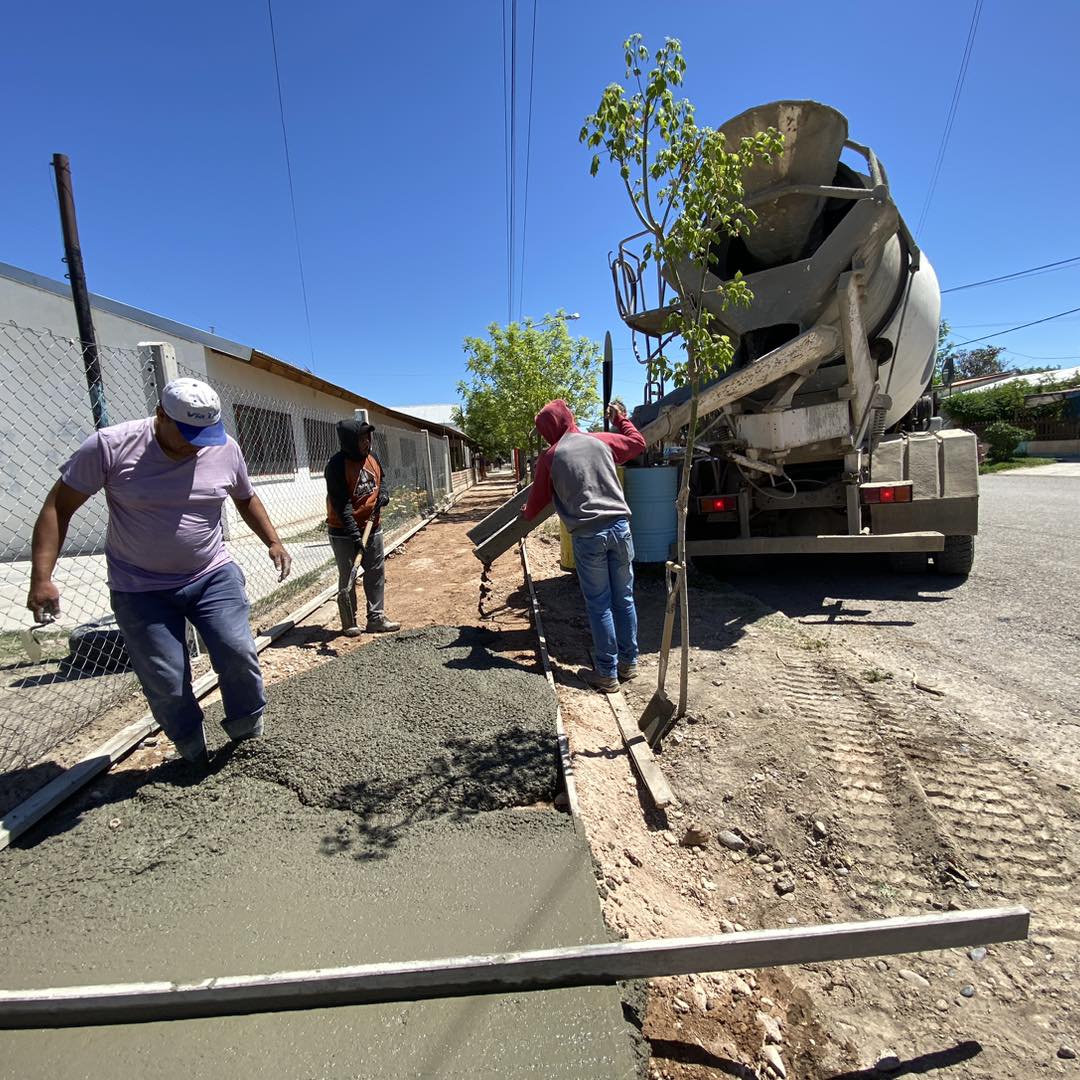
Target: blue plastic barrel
(651,495)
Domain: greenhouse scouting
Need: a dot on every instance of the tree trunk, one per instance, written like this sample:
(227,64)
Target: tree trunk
(683,505)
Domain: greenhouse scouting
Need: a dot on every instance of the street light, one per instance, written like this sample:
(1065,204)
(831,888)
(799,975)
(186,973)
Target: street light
(561,318)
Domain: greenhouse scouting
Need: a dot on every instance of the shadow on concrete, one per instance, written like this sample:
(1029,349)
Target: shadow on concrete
(924,1063)
(464,776)
(471,776)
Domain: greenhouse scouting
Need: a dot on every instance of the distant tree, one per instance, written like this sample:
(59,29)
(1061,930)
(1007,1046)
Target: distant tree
(515,371)
(954,363)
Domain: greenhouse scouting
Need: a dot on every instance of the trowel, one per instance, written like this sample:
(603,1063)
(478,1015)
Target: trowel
(656,719)
(31,643)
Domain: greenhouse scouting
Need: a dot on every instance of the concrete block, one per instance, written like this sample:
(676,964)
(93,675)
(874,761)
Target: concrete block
(923,465)
(888,462)
(959,463)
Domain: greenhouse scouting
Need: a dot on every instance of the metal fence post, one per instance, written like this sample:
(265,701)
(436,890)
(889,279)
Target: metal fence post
(449,467)
(430,472)
(159,362)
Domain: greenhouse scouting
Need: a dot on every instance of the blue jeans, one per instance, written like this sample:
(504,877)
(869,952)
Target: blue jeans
(605,572)
(153,627)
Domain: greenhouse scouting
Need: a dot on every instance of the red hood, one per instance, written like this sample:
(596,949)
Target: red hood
(554,421)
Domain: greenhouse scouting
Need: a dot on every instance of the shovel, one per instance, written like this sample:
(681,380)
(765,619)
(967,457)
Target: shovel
(656,719)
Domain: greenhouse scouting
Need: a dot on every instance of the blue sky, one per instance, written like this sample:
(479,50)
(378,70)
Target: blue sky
(395,118)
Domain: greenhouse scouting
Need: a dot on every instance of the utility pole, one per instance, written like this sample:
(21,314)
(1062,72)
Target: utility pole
(79,293)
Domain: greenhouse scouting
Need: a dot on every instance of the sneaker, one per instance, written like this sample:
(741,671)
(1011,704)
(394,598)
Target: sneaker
(382,625)
(606,684)
(627,671)
(352,631)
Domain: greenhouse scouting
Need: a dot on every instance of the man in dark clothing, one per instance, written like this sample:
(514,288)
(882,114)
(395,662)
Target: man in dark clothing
(354,501)
(577,470)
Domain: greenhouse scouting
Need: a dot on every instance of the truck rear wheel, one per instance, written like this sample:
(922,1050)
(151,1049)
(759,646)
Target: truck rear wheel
(957,556)
(908,562)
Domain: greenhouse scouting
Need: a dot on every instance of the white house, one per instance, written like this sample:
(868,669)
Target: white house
(282,416)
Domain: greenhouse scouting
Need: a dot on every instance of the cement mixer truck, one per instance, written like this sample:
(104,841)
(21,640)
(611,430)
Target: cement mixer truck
(821,438)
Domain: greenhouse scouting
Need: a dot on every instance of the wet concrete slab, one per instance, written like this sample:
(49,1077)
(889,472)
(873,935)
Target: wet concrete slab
(356,837)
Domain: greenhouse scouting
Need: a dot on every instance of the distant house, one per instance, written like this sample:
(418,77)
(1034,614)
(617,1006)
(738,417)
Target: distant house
(443,415)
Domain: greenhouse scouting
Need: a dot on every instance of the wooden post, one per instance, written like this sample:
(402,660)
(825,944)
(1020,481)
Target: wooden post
(504,973)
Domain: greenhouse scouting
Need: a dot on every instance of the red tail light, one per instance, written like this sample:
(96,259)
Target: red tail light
(886,493)
(717,504)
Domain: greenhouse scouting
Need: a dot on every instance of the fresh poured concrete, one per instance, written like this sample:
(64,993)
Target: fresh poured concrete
(389,815)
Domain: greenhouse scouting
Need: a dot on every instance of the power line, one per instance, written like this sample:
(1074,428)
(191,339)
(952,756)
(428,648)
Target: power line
(513,148)
(950,118)
(288,169)
(507,170)
(528,157)
(1045,268)
(1028,356)
(1022,326)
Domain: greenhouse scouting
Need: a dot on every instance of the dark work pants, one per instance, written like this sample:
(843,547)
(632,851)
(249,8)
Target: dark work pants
(373,562)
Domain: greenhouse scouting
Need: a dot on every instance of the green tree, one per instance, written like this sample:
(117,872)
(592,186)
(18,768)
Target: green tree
(515,371)
(685,186)
(953,363)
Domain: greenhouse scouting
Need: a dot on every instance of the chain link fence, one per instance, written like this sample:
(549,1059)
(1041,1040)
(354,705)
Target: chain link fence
(56,680)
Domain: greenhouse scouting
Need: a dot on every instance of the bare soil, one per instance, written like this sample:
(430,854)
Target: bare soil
(869,797)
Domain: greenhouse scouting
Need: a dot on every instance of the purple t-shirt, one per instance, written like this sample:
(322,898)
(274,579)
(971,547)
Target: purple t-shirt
(164,515)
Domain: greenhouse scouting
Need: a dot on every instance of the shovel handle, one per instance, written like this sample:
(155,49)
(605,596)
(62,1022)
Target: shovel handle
(674,572)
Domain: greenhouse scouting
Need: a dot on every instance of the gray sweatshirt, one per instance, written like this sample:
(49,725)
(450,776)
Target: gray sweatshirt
(577,470)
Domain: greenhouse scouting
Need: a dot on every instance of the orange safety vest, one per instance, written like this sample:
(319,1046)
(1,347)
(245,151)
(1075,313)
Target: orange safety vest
(364,481)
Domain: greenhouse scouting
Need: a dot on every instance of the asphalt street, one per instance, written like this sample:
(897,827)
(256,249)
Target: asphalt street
(1008,636)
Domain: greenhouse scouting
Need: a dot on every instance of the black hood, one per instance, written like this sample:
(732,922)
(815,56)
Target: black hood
(349,433)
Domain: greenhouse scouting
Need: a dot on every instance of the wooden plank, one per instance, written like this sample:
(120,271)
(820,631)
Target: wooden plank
(820,545)
(542,969)
(20,818)
(641,756)
(565,759)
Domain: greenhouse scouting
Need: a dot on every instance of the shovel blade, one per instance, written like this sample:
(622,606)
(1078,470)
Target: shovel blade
(656,718)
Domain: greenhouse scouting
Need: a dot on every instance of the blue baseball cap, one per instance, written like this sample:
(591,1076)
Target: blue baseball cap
(196,410)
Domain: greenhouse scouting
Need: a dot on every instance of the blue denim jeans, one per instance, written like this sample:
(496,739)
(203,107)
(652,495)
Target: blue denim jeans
(153,627)
(605,572)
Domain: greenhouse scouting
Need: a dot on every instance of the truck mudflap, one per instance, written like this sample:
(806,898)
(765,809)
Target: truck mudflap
(838,544)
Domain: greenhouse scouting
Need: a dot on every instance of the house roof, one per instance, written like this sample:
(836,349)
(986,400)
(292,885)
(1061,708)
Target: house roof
(1003,378)
(437,414)
(249,355)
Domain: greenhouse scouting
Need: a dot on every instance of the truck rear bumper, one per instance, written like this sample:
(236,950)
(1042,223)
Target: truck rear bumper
(820,545)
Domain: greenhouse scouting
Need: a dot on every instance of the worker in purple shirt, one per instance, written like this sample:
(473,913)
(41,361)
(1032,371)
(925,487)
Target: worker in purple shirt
(165,480)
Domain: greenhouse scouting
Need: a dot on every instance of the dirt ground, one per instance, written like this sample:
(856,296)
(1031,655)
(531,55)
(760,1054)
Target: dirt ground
(851,795)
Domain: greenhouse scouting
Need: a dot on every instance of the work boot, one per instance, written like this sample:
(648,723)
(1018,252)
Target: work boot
(352,631)
(606,684)
(382,625)
(627,671)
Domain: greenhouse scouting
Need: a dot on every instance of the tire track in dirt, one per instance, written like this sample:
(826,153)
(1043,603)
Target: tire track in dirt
(933,811)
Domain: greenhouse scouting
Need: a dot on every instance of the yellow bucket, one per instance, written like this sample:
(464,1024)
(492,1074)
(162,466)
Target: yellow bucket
(566,545)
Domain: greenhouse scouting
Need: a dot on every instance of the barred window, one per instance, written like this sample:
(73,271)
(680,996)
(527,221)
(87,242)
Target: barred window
(457,454)
(266,438)
(321,439)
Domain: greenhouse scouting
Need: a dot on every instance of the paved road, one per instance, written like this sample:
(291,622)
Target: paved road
(1009,636)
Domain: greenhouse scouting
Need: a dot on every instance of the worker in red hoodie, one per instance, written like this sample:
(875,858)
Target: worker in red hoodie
(577,470)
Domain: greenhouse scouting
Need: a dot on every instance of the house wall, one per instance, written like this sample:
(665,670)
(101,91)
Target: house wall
(49,413)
